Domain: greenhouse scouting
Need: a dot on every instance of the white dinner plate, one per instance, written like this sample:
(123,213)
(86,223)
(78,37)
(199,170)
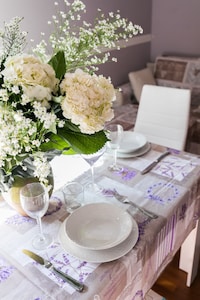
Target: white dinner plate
(98,256)
(98,226)
(131,141)
(136,153)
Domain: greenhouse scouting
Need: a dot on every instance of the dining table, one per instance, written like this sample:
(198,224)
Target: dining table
(126,271)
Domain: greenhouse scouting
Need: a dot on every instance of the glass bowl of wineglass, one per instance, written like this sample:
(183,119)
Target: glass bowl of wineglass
(34,199)
(91,159)
(114,133)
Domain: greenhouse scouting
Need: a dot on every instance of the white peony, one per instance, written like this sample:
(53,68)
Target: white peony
(88,100)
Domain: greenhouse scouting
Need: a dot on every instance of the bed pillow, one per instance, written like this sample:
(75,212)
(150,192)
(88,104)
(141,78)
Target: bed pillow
(138,79)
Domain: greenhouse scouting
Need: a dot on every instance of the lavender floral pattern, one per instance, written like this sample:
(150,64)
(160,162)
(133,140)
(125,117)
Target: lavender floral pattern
(141,226)
(154,192)
(64,264)
(126,174)
(108,192)
(18,220)
(138,295)
(175,168)
(67,264)
(6,270)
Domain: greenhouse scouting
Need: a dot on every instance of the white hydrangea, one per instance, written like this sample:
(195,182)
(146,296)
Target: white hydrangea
(88,100)
(36,79)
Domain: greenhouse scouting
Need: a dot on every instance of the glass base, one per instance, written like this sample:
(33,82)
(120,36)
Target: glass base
(93,187)
(40,242)
(72,206)
(115,168)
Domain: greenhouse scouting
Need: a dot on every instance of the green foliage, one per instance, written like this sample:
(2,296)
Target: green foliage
(59,65)
(70,142)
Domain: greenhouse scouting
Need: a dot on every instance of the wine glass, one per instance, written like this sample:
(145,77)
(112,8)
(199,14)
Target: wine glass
(114,133)
(34,199)
(91,159)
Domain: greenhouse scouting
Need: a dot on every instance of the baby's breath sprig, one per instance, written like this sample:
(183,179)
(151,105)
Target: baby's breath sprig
(13,39)
(86,45)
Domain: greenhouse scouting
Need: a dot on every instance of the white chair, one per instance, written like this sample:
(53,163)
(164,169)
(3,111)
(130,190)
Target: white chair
(163,115)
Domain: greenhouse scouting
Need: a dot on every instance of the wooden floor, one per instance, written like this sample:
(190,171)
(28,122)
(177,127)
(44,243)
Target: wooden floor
(171,283)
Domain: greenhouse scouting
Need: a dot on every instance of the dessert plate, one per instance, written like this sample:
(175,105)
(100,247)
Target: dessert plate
(98,226)
(98,256)
(131,141)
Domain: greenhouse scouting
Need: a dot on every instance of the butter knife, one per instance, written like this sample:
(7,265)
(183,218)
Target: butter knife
(154,163)
(47,264)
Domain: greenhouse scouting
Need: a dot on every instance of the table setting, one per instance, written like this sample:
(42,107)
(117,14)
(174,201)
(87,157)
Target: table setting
(129,228)
(134,203)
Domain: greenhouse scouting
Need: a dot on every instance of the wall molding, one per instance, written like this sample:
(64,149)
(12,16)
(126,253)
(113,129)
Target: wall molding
(136,40)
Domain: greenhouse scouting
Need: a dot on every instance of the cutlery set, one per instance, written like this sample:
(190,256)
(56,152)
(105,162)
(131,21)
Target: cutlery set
(47,264)
(124,199)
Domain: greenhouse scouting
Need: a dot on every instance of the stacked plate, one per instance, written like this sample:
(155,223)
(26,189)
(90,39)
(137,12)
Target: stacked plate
(133,144)
(98,232)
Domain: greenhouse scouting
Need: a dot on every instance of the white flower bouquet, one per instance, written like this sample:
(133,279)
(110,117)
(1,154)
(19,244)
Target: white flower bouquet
(53,104)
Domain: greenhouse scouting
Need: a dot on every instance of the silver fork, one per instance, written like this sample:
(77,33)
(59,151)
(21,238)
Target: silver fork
(124,199)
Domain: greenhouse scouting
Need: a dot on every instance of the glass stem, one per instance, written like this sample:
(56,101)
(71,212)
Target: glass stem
(40,228)
(92,174)
(115,157)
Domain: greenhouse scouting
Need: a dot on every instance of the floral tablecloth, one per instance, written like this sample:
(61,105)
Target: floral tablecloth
(171,190)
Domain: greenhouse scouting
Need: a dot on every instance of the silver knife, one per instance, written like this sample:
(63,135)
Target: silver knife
(154,163)
(47,264)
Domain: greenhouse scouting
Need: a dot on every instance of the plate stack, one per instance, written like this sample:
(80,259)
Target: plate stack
(133,144)
(98,232)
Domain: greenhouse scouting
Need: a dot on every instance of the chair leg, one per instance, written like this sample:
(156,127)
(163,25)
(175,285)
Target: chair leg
(190,254)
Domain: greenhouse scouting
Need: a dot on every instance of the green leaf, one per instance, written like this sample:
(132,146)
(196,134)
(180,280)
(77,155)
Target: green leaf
(71,142)
(83,143)
(55,142)
(58,64)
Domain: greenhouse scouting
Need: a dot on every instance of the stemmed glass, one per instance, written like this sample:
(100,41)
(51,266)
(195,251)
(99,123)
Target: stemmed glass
(91,159)
(114,133)
(34,199)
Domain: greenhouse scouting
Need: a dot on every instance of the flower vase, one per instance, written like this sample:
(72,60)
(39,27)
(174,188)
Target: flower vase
(12,196)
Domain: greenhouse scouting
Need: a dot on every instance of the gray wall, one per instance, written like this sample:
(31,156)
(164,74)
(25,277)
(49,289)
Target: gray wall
(36,13)
(175,27)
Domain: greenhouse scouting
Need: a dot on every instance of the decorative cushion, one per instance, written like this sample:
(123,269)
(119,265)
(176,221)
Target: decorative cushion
(180,72)
(139,78)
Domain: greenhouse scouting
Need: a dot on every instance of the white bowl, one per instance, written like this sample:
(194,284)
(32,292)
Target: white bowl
(131,141)
(98,226)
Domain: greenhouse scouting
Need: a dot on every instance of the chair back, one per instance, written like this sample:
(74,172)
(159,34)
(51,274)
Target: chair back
(163,115)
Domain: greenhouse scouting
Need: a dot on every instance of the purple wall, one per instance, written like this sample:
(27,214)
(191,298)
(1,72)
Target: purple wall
(175,27)
(133,57)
